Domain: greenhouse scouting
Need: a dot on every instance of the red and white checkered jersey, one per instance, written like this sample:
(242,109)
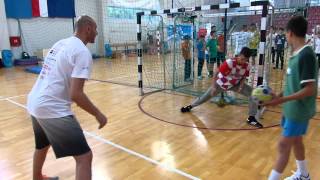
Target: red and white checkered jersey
(230,73)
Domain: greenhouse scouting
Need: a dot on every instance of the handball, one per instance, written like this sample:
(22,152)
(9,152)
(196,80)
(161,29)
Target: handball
(262,93)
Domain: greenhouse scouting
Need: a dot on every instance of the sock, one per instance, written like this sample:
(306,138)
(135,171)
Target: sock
(302,167)
(274,175)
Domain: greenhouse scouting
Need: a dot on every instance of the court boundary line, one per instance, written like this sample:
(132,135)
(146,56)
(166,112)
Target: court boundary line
(140,106)
(3,98)
(11,97)
(131,152)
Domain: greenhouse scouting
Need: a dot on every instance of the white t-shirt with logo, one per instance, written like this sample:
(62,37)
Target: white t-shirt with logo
(241,40)
(273,44)
(317,45)
(50,96)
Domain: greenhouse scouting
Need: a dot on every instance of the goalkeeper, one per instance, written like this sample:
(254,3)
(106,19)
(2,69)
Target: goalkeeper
(231,76)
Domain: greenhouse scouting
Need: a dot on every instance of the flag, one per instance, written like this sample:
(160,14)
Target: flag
(53,8)
(18,9)
(40,8)
(61,8)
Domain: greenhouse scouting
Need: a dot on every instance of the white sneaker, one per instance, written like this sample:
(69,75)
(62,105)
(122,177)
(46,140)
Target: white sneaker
(298,176)
(200,77)
(230,94)
(188,80)
(253,70)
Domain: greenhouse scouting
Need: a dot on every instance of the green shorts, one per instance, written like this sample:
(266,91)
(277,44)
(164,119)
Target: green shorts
(253,52)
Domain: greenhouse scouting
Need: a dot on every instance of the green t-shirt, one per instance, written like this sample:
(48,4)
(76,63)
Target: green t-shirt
(213,47)
(302,68)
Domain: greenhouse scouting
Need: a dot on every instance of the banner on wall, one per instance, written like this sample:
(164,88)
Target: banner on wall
(181,31)
(40,8)
(145,4)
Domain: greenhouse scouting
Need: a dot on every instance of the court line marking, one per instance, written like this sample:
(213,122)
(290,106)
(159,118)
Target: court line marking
(16,103)
(177,171)
(110,79)
(12,97)
(3,98)
(131,152)
(92,82)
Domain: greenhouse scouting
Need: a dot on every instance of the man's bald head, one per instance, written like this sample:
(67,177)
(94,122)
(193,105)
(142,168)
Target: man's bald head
(86,29)
(83,22)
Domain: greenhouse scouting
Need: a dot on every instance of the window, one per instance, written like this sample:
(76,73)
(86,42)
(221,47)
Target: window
(122,12)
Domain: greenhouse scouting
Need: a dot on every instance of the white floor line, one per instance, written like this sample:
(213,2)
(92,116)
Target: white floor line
(110,79)
(6,98)
(92,82)
(99,138)
(141,156)
(16,103)
(12,97)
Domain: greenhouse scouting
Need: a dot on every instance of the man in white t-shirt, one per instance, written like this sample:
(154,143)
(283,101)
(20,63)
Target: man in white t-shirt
(242,39)
(61,81)
(272,34)
(316,43)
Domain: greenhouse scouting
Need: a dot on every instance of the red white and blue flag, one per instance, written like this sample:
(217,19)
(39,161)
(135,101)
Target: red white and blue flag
(39,8)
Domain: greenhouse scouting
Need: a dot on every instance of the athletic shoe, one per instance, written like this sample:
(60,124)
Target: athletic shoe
(186,109)
(298,176)
(188,80)
(44,177)
(200,77)
(253,122)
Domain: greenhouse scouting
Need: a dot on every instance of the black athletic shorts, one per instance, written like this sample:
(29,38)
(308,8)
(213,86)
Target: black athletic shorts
(63,134)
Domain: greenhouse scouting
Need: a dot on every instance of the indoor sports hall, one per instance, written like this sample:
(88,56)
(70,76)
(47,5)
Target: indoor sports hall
(149,61)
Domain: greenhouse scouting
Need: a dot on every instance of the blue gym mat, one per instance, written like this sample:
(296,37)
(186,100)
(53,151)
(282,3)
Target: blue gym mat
(34,69)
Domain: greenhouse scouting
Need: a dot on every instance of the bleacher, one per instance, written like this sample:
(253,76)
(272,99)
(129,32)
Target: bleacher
(280,20)
(313,17)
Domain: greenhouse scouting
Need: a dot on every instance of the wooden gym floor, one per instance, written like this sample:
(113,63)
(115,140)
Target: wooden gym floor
(135,145)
